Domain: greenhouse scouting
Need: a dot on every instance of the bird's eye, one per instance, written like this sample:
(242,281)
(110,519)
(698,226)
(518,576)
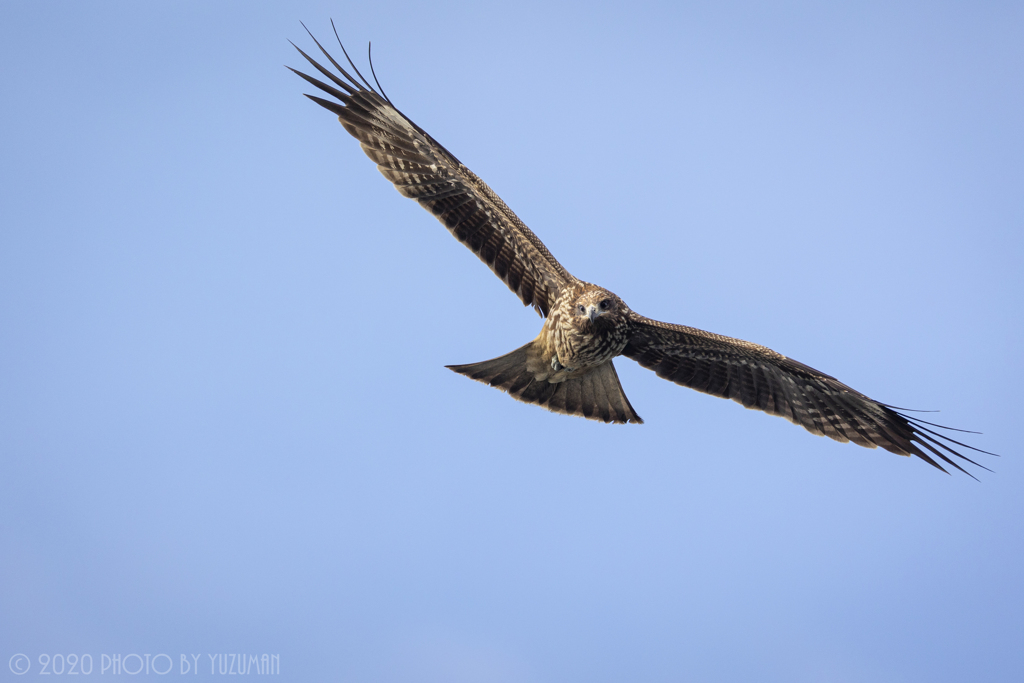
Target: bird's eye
(581,308)
(605,304)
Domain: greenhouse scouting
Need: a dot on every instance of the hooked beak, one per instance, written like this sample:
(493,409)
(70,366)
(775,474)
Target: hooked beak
(593,313)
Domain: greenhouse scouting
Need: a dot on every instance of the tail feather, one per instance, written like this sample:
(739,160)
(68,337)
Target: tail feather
(596,395)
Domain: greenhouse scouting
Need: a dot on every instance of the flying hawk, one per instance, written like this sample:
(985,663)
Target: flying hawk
(568,368)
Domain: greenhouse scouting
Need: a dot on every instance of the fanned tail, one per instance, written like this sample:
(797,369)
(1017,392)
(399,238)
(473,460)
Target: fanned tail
(596,395)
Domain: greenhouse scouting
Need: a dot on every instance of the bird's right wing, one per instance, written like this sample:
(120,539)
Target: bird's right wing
(424,170)
(762,379)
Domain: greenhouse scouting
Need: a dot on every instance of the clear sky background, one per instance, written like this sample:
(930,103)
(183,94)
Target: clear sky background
(225,421)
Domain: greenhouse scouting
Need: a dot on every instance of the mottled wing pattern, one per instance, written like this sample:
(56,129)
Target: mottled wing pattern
(422,169)
(762,379)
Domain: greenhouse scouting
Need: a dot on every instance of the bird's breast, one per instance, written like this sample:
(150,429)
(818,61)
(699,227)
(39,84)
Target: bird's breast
(586,347)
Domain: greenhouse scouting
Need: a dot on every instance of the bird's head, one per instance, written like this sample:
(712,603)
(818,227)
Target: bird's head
(597,307)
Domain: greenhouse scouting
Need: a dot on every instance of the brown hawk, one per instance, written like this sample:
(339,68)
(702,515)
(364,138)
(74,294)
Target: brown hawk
(568,367)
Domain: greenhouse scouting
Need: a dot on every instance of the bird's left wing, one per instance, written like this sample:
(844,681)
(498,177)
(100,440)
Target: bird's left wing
(762,379)
(422,169)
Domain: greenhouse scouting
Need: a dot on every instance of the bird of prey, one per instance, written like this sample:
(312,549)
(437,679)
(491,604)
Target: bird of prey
(568,367)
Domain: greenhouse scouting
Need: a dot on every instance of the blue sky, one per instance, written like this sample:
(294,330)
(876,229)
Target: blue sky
(225,421)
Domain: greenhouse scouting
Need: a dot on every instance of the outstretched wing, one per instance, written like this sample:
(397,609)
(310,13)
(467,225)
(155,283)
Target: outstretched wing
(762,379)
(422,169)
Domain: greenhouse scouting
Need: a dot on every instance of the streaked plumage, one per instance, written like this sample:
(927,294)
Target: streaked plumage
(568,368)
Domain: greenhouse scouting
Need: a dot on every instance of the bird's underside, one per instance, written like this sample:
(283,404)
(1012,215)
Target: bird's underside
(568,367)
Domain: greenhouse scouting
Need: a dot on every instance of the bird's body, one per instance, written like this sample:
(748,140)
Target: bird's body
(588,327)
(568,368)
